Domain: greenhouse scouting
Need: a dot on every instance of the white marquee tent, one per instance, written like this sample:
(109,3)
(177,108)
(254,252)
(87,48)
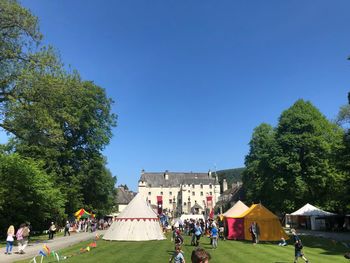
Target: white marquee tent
(137,222)
(316,216)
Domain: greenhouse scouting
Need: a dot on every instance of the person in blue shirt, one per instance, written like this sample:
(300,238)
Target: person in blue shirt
(198,233)
(178,256)
(214,236)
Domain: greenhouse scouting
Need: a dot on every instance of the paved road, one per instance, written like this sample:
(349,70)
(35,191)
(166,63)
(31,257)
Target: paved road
(58,243)
(339,236)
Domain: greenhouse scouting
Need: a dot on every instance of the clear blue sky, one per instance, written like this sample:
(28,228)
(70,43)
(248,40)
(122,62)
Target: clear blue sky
(191,79)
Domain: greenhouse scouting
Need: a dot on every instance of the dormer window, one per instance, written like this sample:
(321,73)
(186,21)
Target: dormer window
(201,186)
(210,186)
(192,185)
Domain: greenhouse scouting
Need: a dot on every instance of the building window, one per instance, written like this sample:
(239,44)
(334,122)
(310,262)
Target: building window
(211,193)
(170,201)
(201,193)
(184,203)
(161,193)
(201,186)
(192,185)
(210,186)
(149,201)
(189,191)
(149,193)
(193,193)
(170,193)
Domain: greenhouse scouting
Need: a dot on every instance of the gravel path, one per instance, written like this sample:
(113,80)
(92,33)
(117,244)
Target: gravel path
(58,243)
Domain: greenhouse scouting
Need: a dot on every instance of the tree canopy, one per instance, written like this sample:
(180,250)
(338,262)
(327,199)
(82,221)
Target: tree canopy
(55,119)
(295,162)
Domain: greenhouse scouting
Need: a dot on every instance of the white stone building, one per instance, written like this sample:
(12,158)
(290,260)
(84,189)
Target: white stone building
(180,193)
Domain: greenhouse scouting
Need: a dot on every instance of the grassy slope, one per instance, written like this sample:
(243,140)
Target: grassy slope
(316,249)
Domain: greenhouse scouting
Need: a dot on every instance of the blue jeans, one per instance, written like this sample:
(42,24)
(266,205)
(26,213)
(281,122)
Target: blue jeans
(9,245)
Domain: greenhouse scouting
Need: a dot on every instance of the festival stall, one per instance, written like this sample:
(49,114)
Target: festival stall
(234,225)
(309,217)
(270,228)
(137,222)
(83,214)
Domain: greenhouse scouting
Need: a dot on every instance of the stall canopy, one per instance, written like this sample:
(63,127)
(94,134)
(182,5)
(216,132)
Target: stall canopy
(269,224)
(137,222)
(82,214)
(314,215)
(234,225)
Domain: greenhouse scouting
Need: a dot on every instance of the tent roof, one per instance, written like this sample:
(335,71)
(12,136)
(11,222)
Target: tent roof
(138,208)
(310,210)
(236,210)
(258,211)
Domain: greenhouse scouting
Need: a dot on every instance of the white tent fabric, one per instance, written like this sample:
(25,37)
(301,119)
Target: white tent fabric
(236,210)
(137,222)
(310,210)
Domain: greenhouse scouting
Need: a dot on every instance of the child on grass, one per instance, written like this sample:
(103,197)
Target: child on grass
(178,256)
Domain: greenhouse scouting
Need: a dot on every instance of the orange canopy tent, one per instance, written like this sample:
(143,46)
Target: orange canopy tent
(269,224)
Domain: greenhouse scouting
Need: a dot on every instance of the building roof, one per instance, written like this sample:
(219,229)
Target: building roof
(176,179)
(124,196)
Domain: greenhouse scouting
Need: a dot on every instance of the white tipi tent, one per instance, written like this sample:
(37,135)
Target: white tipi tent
(137,222)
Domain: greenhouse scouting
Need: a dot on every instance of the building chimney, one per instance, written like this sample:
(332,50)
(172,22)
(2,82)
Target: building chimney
(224,185)
(166,175)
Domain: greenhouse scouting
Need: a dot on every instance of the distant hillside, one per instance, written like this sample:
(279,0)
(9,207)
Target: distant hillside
(231,175)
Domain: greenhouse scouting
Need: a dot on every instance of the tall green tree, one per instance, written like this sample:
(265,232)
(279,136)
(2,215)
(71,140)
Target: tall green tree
(308,143)
(27,193)
(258,175)
(295,163)
(343,156)
(54,117)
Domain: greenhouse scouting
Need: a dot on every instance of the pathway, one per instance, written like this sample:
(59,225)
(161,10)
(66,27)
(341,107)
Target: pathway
(58,243)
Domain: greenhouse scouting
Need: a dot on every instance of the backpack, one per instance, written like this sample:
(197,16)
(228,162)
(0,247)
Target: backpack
(299,245)
(25,232)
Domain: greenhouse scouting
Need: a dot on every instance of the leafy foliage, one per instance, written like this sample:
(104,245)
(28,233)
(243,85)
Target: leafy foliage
(295,162)
(55,118)
(27,193)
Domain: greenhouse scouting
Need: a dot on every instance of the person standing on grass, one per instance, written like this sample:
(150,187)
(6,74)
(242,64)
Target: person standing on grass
(298,252)
(198,233)
(214,235)
(199,255)
(10,239)
(178,256)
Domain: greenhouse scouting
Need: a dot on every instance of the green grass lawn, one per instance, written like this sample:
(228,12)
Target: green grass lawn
(316,250)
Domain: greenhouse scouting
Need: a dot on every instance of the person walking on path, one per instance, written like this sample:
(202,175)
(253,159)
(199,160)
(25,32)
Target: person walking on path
(178,256)
(298,252)
(22,238)
(199,255)
(10,239)
(66,229)
(52,230)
